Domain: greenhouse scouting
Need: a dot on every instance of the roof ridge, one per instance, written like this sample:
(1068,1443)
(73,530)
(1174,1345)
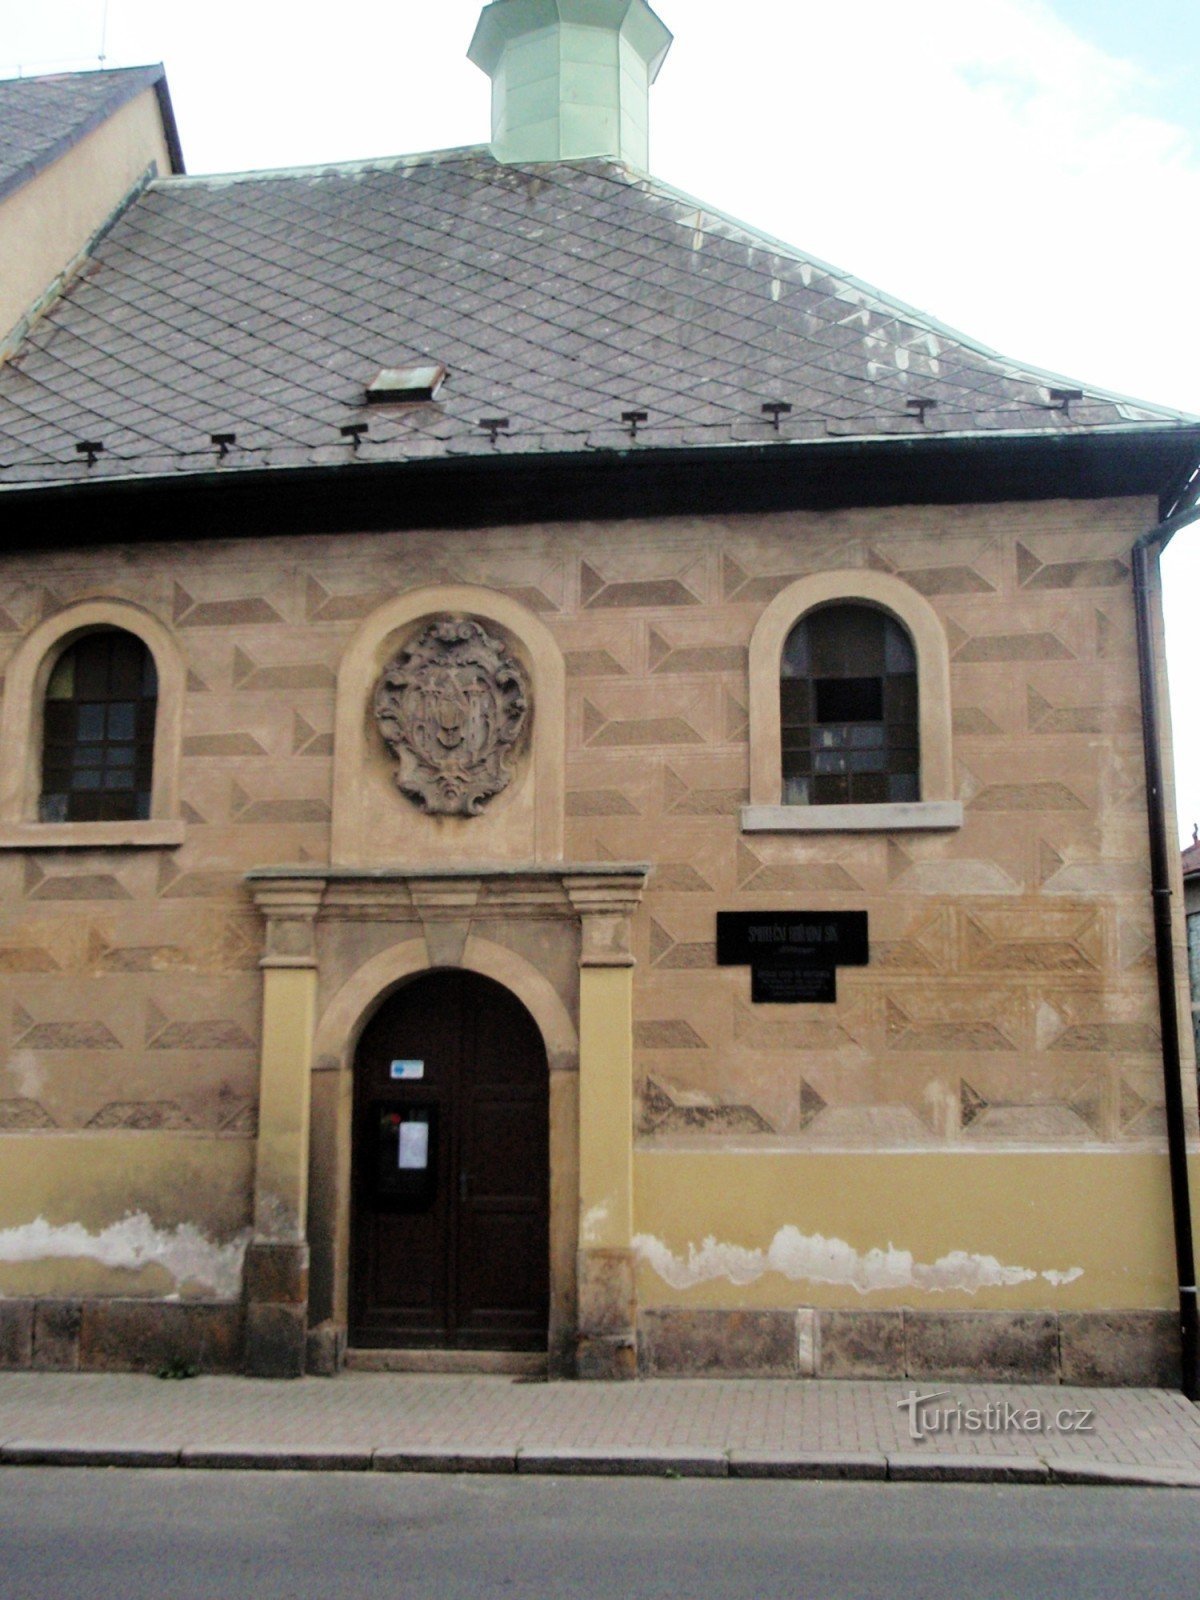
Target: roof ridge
(217,180)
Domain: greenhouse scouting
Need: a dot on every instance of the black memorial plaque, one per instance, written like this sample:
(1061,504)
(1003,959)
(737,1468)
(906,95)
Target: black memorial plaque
(783,983)
(810,938)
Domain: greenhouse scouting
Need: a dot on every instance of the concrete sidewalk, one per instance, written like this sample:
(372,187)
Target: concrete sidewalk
(709,1427)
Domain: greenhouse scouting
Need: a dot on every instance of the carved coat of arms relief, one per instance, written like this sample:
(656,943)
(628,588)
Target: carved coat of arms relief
(452,708)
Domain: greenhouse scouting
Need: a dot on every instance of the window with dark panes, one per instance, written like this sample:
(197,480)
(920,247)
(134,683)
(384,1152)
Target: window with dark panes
(98,731)
(848,709)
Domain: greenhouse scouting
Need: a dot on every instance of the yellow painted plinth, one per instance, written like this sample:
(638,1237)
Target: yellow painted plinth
(92,1214)
(941,1231)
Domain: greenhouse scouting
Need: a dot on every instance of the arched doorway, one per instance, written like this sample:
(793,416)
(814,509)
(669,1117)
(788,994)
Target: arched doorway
(450,1172)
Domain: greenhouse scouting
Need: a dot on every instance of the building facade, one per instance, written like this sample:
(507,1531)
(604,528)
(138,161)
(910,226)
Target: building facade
(479,630)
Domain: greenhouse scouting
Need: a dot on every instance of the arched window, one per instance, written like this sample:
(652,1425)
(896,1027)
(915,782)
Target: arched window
(848,709)
(98,731)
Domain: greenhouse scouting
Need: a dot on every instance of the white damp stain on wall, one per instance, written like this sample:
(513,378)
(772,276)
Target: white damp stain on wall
(189,1256)
(1059,1278)
(813,1258)
(591,1227)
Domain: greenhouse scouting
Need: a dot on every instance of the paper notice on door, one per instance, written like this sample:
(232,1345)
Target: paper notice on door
(414,1146)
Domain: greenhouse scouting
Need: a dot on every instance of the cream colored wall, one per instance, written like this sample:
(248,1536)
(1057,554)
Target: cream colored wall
(45,224)
(947,1231)
(1007,1021)
(130,1213)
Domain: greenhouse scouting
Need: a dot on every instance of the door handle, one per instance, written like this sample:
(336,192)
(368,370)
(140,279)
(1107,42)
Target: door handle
(463,1183)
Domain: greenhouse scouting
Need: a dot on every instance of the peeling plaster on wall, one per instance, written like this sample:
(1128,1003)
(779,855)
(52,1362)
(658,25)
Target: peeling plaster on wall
(943,1103)
(591,1227)
(1059,1278)
(799,1255)
(135,1243)
(27,1073)
(275,1219)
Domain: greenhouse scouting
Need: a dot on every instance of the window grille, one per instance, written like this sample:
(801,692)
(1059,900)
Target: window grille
(98,731)
(848,709)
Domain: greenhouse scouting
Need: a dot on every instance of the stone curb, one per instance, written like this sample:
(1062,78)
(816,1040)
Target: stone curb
(286,1459)
(612,1461)
(442,1458)
(923,1467)
(1063,1470)
(626,1461)
(840,1464)
(44,1453)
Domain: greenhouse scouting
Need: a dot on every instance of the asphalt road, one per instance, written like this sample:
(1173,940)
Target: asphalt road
(82,1535)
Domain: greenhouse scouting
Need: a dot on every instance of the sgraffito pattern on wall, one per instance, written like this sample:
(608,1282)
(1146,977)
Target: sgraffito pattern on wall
(1010,996)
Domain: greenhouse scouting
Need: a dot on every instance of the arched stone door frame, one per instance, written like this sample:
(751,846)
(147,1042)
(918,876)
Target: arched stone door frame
(337,944)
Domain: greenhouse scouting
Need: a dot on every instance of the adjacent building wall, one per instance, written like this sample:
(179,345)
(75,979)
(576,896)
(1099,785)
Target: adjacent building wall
(46,224)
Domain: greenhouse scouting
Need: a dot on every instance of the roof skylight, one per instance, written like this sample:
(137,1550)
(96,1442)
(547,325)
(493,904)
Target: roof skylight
(397,385)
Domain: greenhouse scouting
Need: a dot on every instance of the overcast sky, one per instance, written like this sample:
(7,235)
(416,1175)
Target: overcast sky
(1027,170)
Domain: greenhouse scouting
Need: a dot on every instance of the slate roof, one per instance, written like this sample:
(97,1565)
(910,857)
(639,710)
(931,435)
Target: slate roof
(1191,857)
(559,296)
(41,118)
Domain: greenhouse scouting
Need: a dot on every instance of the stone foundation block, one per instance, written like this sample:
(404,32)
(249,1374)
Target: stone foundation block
(984,1346)
(606,1358)
(276,1339)
(1120,1347)
(16,1333)
(56,1329)
(276,1274)
(560,1357)
(325,1350)
(860,1344)
(152,1335)
(673,1342)
(606,1293)
(807,1342)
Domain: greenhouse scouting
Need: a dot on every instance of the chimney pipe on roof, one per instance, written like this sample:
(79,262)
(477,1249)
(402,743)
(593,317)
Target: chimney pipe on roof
(570,78)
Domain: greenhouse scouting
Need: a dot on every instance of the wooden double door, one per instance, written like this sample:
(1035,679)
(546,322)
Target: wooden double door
(451,1183)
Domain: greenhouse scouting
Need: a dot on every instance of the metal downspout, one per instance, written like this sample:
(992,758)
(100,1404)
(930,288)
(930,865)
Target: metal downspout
(1147,548)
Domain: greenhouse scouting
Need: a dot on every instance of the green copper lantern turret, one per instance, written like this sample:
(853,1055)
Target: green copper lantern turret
(570,78)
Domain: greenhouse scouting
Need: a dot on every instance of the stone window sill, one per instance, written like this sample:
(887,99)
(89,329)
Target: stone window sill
(894,817)
(89,835)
